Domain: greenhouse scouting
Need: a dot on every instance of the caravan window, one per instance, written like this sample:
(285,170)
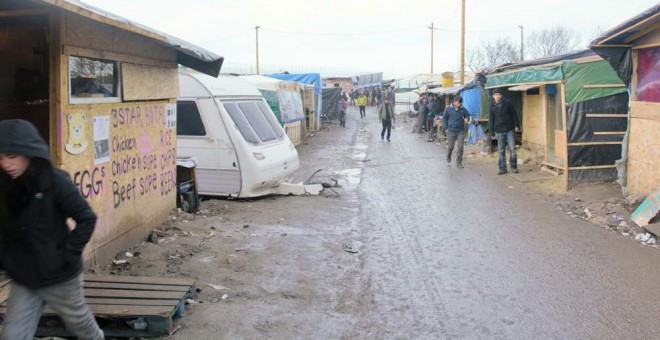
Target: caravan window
(271,119)
(189,121)
(241,122)
(258,121)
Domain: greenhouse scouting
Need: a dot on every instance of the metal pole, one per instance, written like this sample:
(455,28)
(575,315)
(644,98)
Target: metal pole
(521,44)
(256,29)
(431,27)
(462,42)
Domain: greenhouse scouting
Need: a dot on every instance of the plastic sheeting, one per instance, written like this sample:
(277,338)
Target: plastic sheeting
(331,97)
(591,73)
(619,59)
(583,129)
(536,75)
(272,101)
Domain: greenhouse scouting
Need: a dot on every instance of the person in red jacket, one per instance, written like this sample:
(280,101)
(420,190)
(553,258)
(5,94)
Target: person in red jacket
(40,253)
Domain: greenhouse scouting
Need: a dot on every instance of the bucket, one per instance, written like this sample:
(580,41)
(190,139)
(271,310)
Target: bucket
(447,79)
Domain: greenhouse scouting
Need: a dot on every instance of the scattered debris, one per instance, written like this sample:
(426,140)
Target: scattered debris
(191,301)
(350,248)
(225,297)
(239,249)
(138,324)
(246,225)
(648,210)
(643,237)
(128,254)
(119,262)
(217,287)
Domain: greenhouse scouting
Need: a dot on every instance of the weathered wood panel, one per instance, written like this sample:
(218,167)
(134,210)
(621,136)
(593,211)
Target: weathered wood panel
(643,156)
(141,82)
(533,123)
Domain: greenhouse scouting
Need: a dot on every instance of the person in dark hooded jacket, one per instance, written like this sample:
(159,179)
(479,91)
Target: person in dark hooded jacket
(39,251)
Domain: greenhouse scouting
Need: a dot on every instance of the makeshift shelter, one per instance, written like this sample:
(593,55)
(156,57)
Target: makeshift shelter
(368,80)
(285,100)
(574,112)
(331,98)
(313,118)
(632,48)
(475,100)
(102,91)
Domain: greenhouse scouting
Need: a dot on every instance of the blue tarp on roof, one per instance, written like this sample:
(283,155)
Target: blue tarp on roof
(303,78)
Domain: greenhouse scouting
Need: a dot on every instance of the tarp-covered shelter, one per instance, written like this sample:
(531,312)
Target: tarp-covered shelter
(309,79)
(285,100)
(102,91)
(331,98)
(632,48)
(574,112)
(368,80)
(475,100)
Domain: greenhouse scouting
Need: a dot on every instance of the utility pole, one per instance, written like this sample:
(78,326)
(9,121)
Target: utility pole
(431,27)
(521,44)
(462,42)
(256,29)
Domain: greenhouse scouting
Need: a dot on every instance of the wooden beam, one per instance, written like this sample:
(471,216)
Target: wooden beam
(594,143)
(564,117)
(649,45)
(591,167)
(609,132)
(628,29)
(643,32)
(98,54)
(606,115)
(645,110)
(602,86)
(23,12)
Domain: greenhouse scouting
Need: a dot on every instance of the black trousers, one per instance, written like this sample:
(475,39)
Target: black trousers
(387,126)
(363,113)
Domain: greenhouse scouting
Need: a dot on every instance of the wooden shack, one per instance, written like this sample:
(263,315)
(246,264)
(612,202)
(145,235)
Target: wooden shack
(102,91)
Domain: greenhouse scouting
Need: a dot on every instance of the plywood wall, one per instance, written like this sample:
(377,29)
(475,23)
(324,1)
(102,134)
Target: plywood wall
(122,157)
(533,123)
(644,148)
(141,82)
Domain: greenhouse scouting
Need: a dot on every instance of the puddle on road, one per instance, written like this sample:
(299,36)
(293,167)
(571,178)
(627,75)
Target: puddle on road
(359,156)
(360,146)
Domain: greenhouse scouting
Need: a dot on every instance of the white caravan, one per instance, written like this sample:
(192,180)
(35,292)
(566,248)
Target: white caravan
(226,126)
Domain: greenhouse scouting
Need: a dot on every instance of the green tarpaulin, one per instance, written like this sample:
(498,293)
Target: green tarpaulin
(271,99)
(574,75)
(592,73)
(530,75)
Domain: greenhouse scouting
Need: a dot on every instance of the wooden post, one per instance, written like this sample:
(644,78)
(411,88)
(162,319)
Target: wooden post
(562,88)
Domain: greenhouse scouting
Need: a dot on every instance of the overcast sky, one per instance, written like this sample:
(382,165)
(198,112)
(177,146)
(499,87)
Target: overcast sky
(361,36)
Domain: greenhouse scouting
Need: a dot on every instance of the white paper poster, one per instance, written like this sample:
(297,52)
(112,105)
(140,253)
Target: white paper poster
(101,139)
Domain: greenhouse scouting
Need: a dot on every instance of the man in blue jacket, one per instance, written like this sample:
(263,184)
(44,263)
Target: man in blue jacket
(453,120)
(503,123)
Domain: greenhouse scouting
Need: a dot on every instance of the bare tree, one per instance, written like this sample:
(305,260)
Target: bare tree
(492,53)
(551,41)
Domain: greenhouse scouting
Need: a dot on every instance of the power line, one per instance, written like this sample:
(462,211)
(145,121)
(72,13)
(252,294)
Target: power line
(344,34)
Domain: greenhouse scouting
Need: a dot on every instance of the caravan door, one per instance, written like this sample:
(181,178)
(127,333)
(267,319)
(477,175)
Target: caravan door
(201,134)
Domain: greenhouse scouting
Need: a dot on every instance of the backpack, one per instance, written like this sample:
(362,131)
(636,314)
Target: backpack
(416,106)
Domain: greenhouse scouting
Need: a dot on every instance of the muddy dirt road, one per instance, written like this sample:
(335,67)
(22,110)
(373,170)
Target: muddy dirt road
(413,248)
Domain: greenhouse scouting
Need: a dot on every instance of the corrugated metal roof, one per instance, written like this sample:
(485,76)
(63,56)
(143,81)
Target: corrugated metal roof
(188,54)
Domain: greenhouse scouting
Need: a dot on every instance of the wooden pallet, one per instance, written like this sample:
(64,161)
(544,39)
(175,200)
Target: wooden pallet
(118,300)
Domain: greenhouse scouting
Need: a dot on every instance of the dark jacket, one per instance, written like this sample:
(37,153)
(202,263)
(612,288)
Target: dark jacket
(37,248)
(503,117)
(453,119)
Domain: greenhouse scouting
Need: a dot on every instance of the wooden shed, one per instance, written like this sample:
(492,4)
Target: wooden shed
(633,50)
(102,91)
(574,112)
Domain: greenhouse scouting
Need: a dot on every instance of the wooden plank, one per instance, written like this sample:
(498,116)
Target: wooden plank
(115,56)
(140,279)
(134,302)
(23,12)
(603,86)
(114,293)
(609,132)
(644,110)
(648,210)
(594,143)
(118,311)
(606,115)
(136,286)
(592,167)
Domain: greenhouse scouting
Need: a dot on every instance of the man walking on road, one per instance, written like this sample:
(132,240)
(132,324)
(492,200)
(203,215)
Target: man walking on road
(362,103)
(503,123)
(453,120)
(386,115)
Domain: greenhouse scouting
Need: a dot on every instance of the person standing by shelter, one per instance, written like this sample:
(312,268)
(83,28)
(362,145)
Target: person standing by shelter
(453,120)
(373,96)
(342,112)
(435,118)
(503,123)
(386,116)
(353,96)
(422,111)
(362,103)
(40,253)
